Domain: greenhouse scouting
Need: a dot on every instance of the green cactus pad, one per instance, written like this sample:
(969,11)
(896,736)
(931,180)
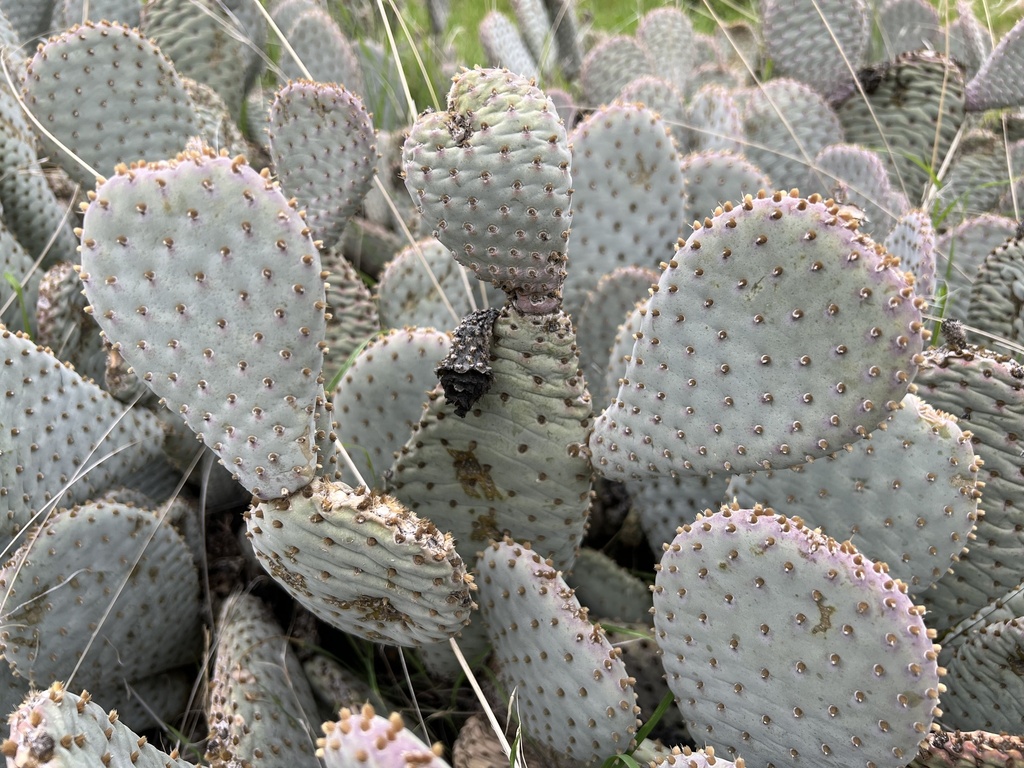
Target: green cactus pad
(70,12)
(372,740)
(221,310)
(996,295)
(986,392)
(627,208)
(714,177)
(608,590)
(912,241)
(58,728)
(787,648)
(786,125)
(407,296)
(604,310)
(260,705)
(621,352)
(662,504)
(380,398)
(216,126)
(47,403)
(919,99)
(816,41)
(362,562)
(574,694)
(148,115)
(969,40)
(905,26)
(961,251)
(322,144)
(661,96)
(81,564)
(853,175)
(203,41)
(1000,81)
(491,174)
(536,29)
(908,495)
(514,464)
(568,36)
(667,37)
(777,333)
(984,688)
(352,313)
(328,55)
(714,120)
(504,45)
(64,327)
(609,67)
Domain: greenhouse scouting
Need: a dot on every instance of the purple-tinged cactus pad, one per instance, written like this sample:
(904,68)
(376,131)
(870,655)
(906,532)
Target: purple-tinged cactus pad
(58,728)
(912,241)
(491,175)
(714,177)
(1000,82)
(370,740)
(777,333)
(362,562)
(787,648)
(146,115)
(907,495)
(204,277)
(322,144)
(574,694)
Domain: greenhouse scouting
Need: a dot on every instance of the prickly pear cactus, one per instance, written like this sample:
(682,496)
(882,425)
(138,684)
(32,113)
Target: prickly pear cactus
(491,175)
(786,647)
(777,333)
(221,311)
(369,739)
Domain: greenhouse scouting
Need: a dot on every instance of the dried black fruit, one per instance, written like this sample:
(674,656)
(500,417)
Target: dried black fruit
(954,334)
(465,374)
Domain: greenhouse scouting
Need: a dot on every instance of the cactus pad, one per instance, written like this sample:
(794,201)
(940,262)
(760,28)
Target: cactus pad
(371,740)
(206,280)
(776,333)
(788,648)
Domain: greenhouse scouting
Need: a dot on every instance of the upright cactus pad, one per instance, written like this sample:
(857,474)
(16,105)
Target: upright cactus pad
(369,739)
(362,562)
(777,333)
(491,175)
(148,115)
(205,278)
(1000,82)
(787,648)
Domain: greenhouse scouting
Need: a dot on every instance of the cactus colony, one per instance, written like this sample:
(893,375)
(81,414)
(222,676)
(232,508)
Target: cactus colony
(230,457)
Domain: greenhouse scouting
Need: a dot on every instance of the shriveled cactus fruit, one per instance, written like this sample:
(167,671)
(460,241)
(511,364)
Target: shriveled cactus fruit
(203,41)
(46,401)
(786,125)
(380,397)
(921,89)
(853,175)
(825,661)
(491,174)
(504,46)
(984,689)
(986,391)
(998,293)
(627,204)
(368,739)
(515,463)
(148,115)
(204,277)
(816,41)
(912,241)
(713,178)
(776,334)
(908,495)
(970,749)
(1000,81)
(961,251)
(260,705)
(58,728)
(363,563)
(609,67)
(322,144)
(574,695)
(145,570)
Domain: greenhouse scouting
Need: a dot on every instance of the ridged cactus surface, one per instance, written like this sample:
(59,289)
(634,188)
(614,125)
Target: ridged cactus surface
(776,333)
(786,647)
(221,311)
(491,175)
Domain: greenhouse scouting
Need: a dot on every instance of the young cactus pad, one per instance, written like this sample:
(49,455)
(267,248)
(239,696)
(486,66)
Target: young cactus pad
(491,175)
(204,277)
(777,333)
(788,648)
